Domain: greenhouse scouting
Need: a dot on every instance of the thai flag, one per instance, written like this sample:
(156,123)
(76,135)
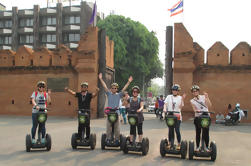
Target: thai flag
(177,8)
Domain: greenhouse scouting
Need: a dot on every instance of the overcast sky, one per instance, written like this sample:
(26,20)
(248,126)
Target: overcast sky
(207,21)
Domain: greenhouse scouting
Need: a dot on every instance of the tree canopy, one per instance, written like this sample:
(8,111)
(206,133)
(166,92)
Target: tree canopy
(135,50)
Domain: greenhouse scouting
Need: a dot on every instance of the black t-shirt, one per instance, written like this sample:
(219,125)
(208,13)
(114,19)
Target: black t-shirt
(84,102)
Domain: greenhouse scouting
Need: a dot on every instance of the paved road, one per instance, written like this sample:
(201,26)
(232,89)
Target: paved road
(233,144)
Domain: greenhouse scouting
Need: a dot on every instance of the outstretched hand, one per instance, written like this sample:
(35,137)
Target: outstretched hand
(184,96)
(49,92)
(206,94)
(130,79)
(100,76)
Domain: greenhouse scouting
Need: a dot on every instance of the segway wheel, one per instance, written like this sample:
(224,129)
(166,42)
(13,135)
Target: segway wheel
(28,143)
(145,146)
(191,150)
(214,151)
(121,138)
(125,140)
(93,141)
(163,144)
(103,139)
(48,142)
(74,140)
(183,149)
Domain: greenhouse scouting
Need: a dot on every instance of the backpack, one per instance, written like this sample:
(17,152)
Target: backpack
(138,100)
(44,96)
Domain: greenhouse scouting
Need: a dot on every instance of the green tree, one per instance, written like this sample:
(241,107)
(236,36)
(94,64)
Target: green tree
(135,50)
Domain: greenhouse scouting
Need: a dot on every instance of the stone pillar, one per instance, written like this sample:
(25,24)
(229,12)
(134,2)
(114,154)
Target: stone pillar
(59,17)
(14,36)
(102,69)
(36,40)
(169,60)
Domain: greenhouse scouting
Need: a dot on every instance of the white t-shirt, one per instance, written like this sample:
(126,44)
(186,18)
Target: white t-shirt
(199,104)
(174,103)
(40,100)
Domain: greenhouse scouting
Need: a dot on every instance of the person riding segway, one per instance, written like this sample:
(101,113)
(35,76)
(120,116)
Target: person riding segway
(135,119)
(83,137)
(174,104)
(112,137)
(39,100)
(202,122)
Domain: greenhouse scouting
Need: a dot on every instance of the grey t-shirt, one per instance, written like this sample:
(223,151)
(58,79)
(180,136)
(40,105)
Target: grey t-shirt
(40,100)
(114,99)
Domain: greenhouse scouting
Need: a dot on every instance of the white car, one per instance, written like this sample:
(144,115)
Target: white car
(151,108)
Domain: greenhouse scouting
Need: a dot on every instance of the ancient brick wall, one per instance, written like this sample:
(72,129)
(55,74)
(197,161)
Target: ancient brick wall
(225,77)
(21,70)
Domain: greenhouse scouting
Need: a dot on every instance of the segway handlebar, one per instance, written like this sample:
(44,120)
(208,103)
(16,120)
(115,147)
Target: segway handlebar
(205,112)
(177,112)
(43,109)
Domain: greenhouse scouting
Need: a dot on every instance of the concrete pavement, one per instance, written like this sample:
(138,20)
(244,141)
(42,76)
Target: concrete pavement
(233,144)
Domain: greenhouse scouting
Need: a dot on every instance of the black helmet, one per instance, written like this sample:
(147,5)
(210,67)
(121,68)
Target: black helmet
(195,87)
(176,87)
(136,87)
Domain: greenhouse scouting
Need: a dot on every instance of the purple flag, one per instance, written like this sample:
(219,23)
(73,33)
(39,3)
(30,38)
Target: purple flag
(93,13)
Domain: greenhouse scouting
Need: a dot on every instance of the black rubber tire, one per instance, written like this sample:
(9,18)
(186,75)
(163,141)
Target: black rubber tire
(93,141)
(28,143)
(103,139)
(191,150)
(183,149)
(162,150)
(121,138)
(125,140)
(213,148)
(74,140)
(48,142)
(145,146)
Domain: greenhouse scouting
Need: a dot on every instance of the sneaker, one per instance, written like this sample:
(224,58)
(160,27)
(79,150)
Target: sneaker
(168,146)
(197,149)
(43,140)
(178,147)
(33,141)
(117,142)
(206,149)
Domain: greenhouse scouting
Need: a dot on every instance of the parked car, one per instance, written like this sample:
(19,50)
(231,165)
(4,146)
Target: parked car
(151,108)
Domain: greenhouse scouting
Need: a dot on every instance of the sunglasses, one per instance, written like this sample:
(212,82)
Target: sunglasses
(41,87)
(114,88)
(194,91)
(135,92)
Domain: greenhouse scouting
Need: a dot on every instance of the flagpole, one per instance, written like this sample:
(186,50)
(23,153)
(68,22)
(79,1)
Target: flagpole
(47,3)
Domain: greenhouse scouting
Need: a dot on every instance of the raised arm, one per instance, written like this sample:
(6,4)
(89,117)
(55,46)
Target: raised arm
(182,100)
(127,84)
(103,82)
(95,93)
(70,91)
(207,100)
(49,96)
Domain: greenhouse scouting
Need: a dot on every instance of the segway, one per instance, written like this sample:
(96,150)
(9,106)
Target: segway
(135,146)
(171,121)
(83,119)
(205,122)
(232,119)
(41,117)
(113,118)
